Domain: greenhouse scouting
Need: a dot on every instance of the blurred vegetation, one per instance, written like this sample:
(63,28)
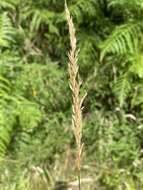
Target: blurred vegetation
(36,142)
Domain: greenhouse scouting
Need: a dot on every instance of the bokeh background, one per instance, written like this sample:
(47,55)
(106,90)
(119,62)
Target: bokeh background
(37,147)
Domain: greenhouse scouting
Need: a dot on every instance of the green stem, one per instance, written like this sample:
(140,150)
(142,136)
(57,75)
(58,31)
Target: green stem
(79,182)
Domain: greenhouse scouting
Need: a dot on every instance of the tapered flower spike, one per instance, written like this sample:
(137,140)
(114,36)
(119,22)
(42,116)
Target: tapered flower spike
(75,85)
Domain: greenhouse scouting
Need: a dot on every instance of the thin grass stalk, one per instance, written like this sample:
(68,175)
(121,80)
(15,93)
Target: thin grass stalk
(75,85)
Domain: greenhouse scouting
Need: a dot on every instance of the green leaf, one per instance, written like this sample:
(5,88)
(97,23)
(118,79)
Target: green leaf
(121,89)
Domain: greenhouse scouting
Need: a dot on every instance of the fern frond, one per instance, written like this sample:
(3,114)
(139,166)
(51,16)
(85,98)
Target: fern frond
(39,17)
(138,94)
(6,30)
(130,4)
(80,7)
(12,107)
(8,59)
(6,127)
(121,89)
(6,116)
(136,67)
(123,39)
(8,4)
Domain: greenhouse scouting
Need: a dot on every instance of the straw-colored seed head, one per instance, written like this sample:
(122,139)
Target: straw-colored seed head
(75,88)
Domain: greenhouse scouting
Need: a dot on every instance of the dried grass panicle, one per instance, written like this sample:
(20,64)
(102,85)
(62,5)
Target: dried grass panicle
(75,85)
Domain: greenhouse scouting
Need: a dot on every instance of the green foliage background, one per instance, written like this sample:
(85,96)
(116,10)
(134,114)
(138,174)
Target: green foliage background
(35,103)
